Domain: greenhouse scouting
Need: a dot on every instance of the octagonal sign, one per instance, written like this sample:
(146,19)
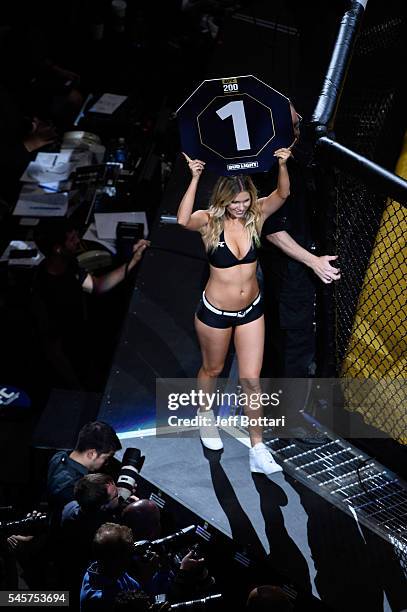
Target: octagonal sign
(235,124)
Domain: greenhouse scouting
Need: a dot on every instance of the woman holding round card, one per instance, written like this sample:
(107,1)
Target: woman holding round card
(232,303)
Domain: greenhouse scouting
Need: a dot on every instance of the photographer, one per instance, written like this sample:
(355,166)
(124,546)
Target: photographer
(107,575)
(96,444)
(58,306)
(144,520)
(192,579)
(8,567)
(160,565)
(96,496)
(96,502)
(24,541)
(161,573)
(98,499)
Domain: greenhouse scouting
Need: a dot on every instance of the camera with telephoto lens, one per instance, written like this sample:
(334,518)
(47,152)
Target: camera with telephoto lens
(132,463)
(146,549)
(32,524)
(193,603)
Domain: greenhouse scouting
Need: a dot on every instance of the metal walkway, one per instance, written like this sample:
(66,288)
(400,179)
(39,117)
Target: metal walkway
(355,483)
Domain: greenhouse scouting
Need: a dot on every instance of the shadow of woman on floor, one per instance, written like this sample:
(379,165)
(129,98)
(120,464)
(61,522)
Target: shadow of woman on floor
(285,556)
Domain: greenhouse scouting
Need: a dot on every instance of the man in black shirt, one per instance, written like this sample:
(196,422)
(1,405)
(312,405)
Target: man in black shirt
(290,269)
(290,273)
(97,442)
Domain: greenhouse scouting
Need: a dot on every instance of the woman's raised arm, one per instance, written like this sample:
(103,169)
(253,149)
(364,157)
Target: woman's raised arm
(185,216)
(272,202)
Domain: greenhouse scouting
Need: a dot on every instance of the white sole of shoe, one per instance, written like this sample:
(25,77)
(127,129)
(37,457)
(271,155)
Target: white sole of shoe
(212,443)
(275,470)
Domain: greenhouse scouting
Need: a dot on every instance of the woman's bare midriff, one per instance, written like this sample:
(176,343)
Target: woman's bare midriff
(232,288)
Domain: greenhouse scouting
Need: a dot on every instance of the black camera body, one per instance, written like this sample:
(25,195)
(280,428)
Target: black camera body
(196,551)
(127,234)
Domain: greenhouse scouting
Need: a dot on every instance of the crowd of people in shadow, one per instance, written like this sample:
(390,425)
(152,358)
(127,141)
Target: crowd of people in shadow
(50,319)
(96,537)
(39,100)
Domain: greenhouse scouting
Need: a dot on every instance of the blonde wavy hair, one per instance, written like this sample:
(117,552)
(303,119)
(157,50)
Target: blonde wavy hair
(224,192)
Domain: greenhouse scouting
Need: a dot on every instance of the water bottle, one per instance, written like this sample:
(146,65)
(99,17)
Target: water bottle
(121,154)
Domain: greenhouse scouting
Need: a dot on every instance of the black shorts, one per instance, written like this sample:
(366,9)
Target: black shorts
(222,319)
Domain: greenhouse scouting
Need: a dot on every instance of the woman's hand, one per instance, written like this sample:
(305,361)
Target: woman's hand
(283,155)
(195,165)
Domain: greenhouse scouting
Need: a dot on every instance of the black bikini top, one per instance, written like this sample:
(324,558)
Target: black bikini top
(222,256)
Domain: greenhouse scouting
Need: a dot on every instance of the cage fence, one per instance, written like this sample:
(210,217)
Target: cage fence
(366,309)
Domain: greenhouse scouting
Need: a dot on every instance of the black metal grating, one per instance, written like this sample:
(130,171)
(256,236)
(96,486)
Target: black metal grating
(353,482)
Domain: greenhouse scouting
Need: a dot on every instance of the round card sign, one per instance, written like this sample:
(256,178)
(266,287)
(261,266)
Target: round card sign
(235,124)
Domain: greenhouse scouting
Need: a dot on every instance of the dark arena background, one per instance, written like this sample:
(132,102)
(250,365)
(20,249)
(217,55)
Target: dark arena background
(331,529)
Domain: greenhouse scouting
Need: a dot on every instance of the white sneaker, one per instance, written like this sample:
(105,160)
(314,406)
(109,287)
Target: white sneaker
(261,460)
(209,432)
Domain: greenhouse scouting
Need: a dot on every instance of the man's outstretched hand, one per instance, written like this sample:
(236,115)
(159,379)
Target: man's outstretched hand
(138,250)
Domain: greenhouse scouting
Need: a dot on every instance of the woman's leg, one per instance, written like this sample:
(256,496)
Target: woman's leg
(249,343)
(214,344)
